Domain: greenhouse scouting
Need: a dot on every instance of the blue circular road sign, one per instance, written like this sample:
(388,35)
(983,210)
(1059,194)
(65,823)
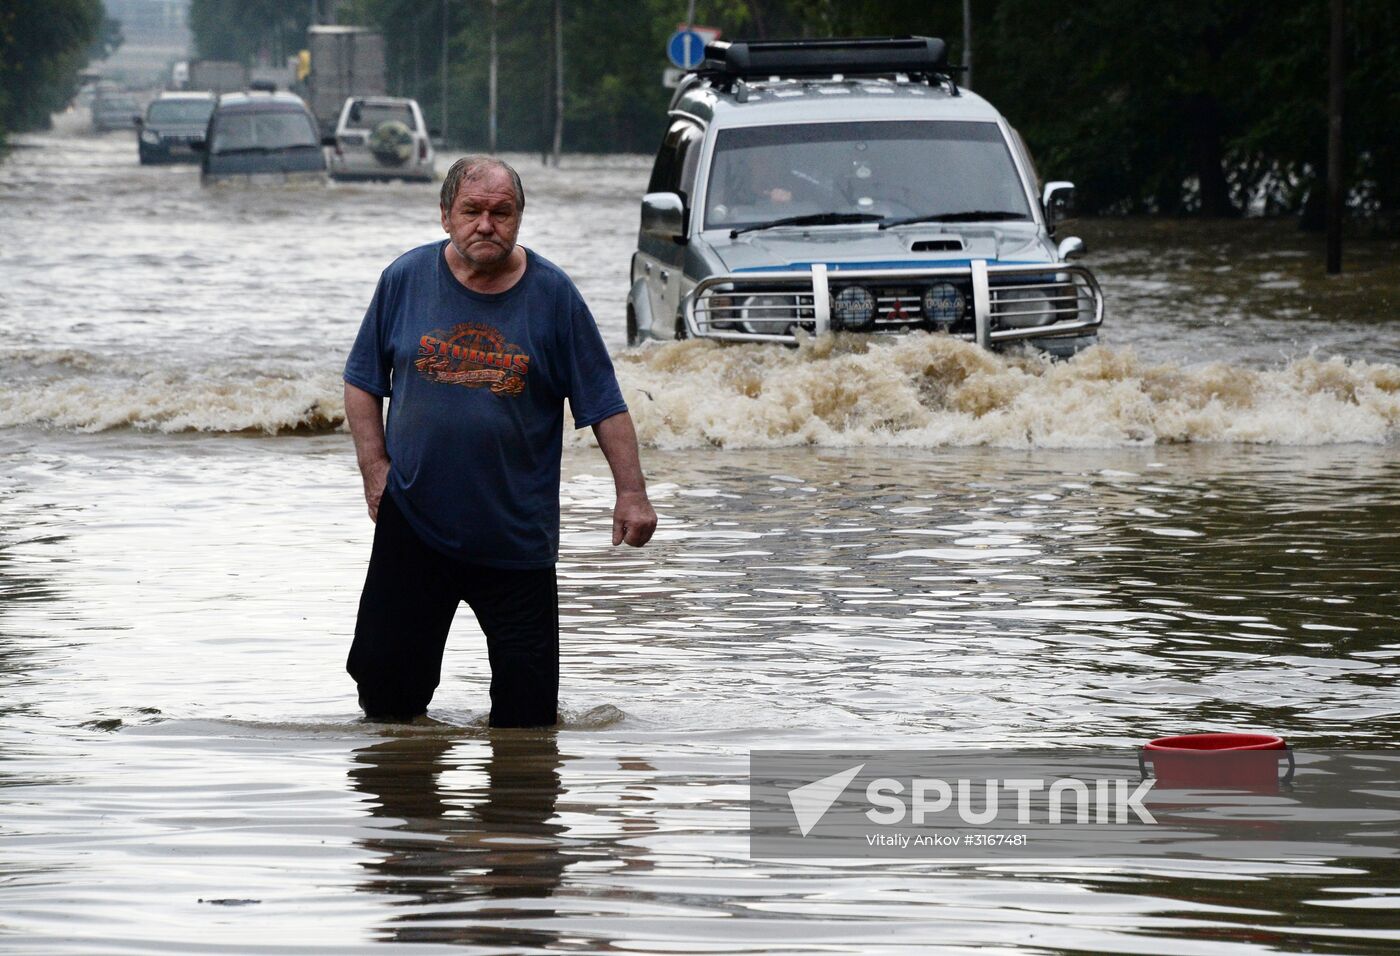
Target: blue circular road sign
(686,48)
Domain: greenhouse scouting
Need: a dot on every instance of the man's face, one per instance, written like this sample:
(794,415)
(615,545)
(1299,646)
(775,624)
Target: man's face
(484,219)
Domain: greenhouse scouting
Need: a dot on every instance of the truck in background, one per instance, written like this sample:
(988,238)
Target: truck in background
(345,62)
(213,76)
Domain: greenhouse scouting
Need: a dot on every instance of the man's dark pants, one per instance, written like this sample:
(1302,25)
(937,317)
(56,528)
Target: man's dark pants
(411,594)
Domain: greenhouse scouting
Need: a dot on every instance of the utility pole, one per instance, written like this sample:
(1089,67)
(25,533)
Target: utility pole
(443,70)
(558,79)
(491,84)
(967,43)
(1336,192)
(416,87)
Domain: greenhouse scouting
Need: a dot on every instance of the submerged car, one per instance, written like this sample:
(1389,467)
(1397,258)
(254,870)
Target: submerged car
(113,108)
(381,137)
(815,185)
(174,123)
(266,137)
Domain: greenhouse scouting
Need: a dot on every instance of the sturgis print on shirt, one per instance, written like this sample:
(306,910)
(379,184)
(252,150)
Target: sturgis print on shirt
(473,355)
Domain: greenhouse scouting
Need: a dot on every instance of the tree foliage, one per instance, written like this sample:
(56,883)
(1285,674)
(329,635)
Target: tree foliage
(1196,106)
(43,46)
(248,30)
(108,40)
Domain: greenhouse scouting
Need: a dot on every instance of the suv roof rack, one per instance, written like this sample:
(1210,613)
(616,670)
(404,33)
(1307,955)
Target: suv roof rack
(727,63)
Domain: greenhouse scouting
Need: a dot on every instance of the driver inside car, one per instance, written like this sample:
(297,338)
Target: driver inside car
(763,183)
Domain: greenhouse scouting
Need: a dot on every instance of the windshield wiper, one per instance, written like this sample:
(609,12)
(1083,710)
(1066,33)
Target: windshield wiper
(975,215)
(812,219)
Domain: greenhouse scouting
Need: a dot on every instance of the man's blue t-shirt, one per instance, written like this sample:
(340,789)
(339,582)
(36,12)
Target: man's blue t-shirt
(476,385)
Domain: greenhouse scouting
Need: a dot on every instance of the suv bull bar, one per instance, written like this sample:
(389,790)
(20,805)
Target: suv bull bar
(1065,298)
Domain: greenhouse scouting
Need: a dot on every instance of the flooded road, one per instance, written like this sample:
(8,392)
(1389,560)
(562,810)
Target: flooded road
(913,545)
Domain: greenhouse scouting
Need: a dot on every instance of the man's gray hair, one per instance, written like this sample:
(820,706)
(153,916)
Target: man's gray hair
(471,168)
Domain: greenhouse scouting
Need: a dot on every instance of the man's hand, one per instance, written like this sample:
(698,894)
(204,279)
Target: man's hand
(375,476)
(634,520)
(633,517)
(365,414)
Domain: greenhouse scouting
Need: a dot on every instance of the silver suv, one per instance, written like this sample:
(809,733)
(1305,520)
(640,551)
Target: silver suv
(381,137)
(851,185)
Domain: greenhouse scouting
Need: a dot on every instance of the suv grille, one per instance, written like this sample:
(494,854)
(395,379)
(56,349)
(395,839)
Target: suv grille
(898,305)
(1018,299)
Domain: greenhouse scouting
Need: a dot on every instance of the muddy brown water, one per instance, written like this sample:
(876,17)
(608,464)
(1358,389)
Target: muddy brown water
(909,545)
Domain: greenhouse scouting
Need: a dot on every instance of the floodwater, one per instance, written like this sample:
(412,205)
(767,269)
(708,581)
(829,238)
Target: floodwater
(909,545)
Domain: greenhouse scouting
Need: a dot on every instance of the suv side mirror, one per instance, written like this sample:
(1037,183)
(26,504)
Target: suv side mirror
(138,121)
(1058,202)
(663,216)
(1072,247)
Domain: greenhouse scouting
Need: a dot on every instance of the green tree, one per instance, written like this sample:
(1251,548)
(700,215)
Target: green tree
(248,30)
(108,40)
(43,46)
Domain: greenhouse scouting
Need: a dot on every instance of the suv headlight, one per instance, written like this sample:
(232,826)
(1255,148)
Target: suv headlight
(150,138)
(1022,308)
(943,303)
(766,314)
(853,307)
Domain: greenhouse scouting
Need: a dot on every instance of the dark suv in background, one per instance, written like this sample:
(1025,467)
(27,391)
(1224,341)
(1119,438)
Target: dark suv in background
(173,124)
(263,136)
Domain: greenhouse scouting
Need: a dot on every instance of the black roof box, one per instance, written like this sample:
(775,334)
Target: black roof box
(744,59)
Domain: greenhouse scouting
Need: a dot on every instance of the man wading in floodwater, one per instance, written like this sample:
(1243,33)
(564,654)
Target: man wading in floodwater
(476,342)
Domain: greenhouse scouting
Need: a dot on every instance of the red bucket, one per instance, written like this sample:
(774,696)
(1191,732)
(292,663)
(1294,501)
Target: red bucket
(1218,762)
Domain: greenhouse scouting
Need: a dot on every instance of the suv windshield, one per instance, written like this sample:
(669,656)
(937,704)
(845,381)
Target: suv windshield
(893,170)
(184,112)
(370,115)
(264,130)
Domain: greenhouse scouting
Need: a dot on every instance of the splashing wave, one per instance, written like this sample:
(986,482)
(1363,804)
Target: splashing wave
(931,391)
(923,391)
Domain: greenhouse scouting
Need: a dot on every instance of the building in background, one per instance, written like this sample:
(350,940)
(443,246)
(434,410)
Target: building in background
(157,35)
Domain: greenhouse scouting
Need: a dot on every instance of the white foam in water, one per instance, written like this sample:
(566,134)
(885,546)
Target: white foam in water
(920,391)
(931,391)
(216,399)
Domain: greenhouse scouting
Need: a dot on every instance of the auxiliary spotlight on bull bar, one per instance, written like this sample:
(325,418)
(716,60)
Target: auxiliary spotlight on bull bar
(1068,296)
